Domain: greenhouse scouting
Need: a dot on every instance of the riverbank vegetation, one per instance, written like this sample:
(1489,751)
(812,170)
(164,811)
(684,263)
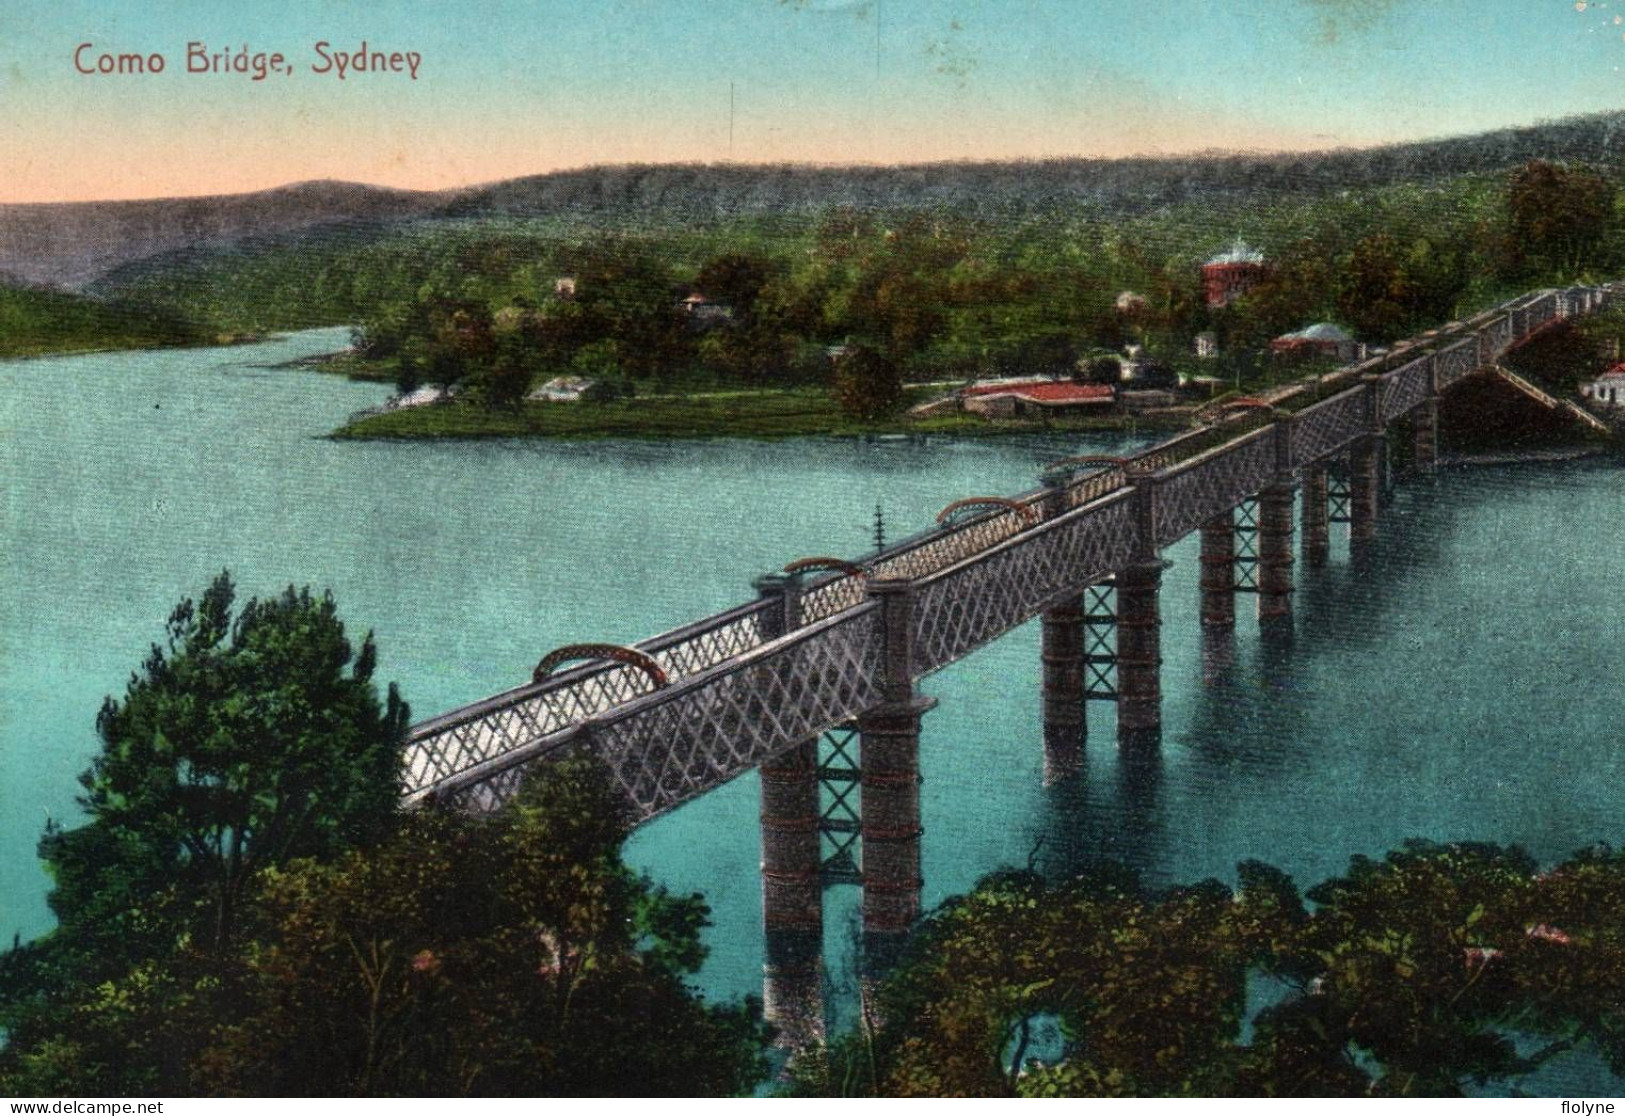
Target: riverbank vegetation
(1440,970)
(245,910)
(36,322)
(495,300)
(859,284)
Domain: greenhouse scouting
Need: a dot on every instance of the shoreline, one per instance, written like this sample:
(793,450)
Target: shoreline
(214,343)
(1523,457)
(763,416)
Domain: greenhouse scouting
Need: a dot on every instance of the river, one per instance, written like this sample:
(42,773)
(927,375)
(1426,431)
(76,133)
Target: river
(1458,689)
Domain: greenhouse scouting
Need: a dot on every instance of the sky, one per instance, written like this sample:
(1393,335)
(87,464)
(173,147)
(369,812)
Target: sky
(514,87)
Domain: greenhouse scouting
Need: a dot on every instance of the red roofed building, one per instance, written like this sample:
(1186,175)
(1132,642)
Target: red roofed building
(1607,389)
(1014,398)
(1229,275)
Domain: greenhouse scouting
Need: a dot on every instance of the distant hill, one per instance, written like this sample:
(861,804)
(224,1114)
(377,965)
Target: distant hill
(1114,185)
(73,244)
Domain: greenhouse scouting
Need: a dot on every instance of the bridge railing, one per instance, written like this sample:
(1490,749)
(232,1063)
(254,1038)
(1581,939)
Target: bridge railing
(1457,361)
(973,576)
(937,548)
(1403,389)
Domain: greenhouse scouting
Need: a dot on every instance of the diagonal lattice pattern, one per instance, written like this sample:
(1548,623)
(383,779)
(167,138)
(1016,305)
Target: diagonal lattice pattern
(1086,490)
(734,700)
(673,749)
(960,609)
(1213,484)
(1403,389)
(1329,425)
(830,596)
(922,555)
(1457,361)
(439,749)
(675,745)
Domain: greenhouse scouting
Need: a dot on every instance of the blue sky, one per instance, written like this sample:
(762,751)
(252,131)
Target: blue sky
(510,87)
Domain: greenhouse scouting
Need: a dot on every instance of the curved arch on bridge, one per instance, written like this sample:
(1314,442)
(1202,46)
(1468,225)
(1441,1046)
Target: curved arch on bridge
(822,564)
(612,652)
(975,504)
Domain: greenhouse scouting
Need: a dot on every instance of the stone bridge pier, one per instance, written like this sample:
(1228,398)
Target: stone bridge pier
(811,824)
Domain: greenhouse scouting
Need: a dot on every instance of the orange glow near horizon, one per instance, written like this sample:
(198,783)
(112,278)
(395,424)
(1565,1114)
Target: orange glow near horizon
(204,164)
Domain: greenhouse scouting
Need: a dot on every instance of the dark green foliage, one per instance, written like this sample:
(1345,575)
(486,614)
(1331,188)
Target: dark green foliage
(508,957)
(1387,290)
(40,321)
(246,912)
(1559,217)
(868,385)
(244,742)
(1439,969)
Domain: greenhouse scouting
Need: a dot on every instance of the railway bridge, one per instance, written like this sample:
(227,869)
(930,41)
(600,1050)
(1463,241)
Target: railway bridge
(815,681)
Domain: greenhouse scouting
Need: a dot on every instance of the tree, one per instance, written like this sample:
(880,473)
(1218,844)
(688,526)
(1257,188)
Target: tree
(1435,969)
(512,956)
(867,385)
(737,279)
(242,743)
(1387,290)
(1558,216)
(1420,973)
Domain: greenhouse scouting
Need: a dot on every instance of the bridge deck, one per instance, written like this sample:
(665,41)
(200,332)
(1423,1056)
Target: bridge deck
(740,692)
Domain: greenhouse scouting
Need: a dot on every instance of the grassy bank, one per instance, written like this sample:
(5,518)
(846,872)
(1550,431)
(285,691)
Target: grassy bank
(754,414)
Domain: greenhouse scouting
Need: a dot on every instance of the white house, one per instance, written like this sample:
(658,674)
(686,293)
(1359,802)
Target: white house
(1607,389)
(560,389)
(422,397)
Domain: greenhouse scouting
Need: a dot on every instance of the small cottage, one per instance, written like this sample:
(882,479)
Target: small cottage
(1028,398)
(703,311)
(1607,390)
(1321,339)
(424,396)
(561,389)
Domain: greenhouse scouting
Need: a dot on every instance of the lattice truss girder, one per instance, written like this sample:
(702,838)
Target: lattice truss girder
(953,613)
(1329,425)
(965,608)
(450,745)
(940,549)
(1405,389)
(1212,486)
(1457,361)
(681,742)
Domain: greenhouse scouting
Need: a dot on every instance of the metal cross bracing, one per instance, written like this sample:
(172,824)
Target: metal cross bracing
(1245,561)
(1100,641)
(739,688)
(1339,492)
(840,818)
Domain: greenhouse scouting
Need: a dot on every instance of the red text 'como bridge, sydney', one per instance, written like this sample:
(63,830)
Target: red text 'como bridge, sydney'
(815,682)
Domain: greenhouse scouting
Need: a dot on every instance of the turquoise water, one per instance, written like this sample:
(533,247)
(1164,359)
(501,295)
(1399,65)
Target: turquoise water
(1455,690)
